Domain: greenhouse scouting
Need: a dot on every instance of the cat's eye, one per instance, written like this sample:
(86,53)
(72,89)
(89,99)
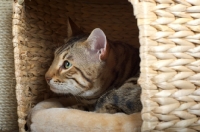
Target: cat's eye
(67,64)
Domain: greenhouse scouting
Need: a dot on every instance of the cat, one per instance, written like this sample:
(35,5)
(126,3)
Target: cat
(93,68)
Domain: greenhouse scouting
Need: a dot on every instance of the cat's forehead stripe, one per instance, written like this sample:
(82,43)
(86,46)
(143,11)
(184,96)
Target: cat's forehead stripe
(70,43)
(65,56)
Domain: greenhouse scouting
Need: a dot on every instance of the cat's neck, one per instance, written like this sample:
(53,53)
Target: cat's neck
(121,64)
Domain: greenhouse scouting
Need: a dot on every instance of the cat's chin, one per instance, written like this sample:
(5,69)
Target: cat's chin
(60,91)
(69,89)
(55,90)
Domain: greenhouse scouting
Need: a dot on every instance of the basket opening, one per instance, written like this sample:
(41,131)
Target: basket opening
(44,28)
(45,25)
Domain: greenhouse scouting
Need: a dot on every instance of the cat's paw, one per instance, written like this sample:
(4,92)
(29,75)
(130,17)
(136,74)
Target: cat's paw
(46,104)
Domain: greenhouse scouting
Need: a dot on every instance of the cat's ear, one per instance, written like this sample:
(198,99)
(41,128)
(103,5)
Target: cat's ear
(73,29)
(98,43)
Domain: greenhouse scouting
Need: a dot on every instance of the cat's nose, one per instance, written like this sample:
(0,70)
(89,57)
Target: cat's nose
(48,79)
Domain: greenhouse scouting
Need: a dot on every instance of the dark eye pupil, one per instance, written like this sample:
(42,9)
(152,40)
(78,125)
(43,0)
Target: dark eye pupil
(67,64)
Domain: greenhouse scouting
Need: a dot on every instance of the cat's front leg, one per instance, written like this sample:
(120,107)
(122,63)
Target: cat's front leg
(72,120)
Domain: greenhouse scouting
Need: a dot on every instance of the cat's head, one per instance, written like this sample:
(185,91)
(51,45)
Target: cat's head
(79,63)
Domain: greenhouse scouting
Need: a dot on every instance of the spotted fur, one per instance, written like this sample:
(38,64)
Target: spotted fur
(124,99)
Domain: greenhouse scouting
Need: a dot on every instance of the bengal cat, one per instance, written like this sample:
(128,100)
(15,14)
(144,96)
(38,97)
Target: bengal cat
(92,67)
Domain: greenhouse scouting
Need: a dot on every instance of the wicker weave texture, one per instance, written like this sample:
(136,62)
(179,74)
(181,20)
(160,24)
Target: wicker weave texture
(170,66)
(40,26)
(8,103)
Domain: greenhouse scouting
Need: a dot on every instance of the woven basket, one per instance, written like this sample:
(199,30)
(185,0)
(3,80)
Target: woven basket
(170,67)
(8,103)
(169,51)
(40,26)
